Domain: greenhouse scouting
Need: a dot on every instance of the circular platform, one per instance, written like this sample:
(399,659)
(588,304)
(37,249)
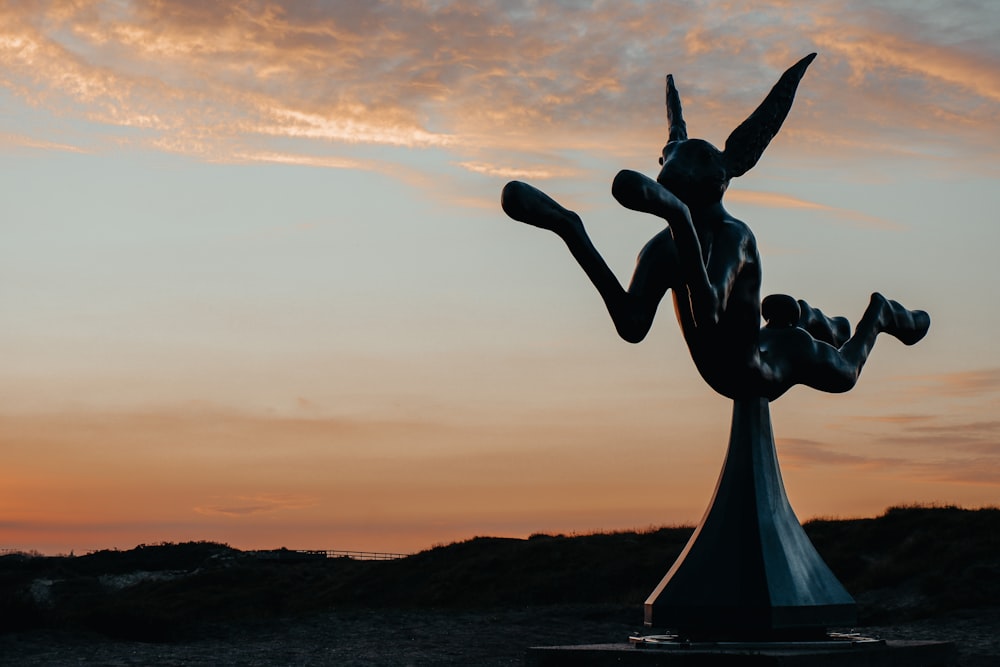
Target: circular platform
(838,652)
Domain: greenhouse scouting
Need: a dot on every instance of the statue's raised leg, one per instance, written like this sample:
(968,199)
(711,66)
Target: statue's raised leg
(838,370)
(797,355)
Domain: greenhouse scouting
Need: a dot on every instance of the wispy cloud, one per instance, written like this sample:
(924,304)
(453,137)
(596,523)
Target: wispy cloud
(962,452)
(903,419)
(979,437)
(479,78)
(8,139)
(874,48)
(292,123)
(533,173)
(775,200)
(960,383)
(302,160)
(804,452)
(931,75)
(241,506)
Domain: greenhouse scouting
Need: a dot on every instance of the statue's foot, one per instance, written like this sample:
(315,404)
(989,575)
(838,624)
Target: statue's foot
(908,326)
(530,205)
(641,193)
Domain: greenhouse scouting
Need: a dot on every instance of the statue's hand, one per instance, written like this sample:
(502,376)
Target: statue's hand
(530,205)
(641,193)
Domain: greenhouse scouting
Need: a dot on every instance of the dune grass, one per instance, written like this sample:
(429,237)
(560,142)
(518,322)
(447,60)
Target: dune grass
(910,562)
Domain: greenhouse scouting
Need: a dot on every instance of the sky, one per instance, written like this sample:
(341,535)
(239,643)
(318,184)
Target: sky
(256,286)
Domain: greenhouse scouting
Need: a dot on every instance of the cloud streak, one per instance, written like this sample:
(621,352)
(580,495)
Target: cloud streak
(805,452)
(965,453)
(8,139)
(481,77)
(775,200)
(533,173)
(983,382)
(242,506)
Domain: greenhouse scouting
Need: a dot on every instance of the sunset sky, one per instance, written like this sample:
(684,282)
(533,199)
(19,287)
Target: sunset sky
(256,286)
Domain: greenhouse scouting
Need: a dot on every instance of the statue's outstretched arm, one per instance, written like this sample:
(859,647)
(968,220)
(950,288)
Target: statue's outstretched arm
(631,310)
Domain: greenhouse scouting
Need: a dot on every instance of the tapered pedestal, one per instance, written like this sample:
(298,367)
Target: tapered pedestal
(749,571)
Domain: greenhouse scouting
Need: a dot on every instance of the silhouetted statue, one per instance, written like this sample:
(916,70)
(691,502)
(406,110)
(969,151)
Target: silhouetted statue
(711,262)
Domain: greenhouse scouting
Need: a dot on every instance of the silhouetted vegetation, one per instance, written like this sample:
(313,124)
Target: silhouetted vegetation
(911,562)
(914,562)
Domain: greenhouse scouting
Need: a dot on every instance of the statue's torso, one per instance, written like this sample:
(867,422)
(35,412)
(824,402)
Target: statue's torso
(726,351)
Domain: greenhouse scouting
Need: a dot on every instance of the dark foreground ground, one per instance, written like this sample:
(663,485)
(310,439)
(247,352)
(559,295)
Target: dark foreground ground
(918,573)
(423,637)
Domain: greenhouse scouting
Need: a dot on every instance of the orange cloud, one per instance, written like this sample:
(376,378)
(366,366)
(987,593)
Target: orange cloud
(8,139)
(869,51)
(303,160)
(960,383)
(893,419)
(533,173)
(224,78)
(775,200)
(804,452)
(950,467)
(239,506)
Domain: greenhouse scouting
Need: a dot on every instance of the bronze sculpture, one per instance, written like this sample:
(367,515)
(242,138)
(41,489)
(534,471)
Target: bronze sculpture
(749,570)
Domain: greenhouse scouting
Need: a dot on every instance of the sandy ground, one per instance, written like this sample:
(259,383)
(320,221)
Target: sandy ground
(423,637)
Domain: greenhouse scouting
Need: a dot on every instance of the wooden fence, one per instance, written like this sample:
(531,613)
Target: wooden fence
(282,554)
(315,554)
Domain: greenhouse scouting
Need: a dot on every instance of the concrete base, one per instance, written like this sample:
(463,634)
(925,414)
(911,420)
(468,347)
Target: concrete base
(872,654)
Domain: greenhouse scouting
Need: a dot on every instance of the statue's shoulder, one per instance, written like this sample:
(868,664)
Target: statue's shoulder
(736,231)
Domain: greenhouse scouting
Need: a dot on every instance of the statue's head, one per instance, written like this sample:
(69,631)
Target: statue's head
(698,172)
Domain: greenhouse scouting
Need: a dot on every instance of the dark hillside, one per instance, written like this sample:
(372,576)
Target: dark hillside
(915,562)
(909,563)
